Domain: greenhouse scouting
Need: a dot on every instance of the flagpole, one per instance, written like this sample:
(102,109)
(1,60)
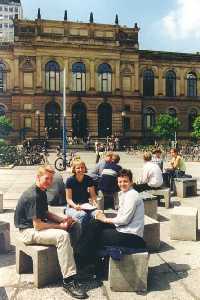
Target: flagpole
(64,119)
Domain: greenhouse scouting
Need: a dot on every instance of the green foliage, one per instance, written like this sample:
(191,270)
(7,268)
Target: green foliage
(166,126)
(5,126)
(2,143)
(196,126)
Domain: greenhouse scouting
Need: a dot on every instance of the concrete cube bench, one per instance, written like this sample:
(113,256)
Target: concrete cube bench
(130,273)
(165,192)
(41,260)
(185,187)
(184,223)
(151,233)
(150,204)
(4,237)
(1,202)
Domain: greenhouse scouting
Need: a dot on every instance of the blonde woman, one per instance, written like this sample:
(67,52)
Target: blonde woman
(80,190)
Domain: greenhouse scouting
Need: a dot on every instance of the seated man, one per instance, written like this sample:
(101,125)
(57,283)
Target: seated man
(108,181)
(96,172)
(151,177)
(32,216)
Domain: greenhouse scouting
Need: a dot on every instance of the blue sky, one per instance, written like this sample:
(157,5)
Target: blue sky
(170,25)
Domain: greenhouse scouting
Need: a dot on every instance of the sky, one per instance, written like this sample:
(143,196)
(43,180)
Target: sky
(165,25)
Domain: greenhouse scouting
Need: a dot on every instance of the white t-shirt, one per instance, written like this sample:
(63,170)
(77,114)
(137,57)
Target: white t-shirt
(130,216)
(152,174)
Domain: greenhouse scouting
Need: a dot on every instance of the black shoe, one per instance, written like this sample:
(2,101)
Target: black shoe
(73,288)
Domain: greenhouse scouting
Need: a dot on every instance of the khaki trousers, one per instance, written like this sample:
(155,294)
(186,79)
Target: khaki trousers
(59,238)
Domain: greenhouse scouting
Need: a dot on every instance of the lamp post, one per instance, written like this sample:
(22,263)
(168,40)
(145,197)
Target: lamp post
(37,113)
(123,122)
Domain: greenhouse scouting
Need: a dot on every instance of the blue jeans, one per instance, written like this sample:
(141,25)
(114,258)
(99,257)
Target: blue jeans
(81,216)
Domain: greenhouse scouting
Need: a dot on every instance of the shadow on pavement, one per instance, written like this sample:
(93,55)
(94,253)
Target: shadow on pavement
(7,259)
(160,281)
(3,294)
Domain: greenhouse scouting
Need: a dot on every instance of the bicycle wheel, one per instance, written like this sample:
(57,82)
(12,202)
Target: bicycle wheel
(59,164)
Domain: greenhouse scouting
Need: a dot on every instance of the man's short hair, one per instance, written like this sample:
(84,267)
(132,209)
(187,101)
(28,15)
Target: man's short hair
(45,168)
(115,157)
(147,156)
(126,173)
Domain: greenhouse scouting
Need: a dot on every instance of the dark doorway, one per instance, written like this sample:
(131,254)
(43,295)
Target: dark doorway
(52,119)
(79,120)
(104,120)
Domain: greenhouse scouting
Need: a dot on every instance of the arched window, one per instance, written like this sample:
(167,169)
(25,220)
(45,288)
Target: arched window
(191,117)
(149,118)
(2,110)
(2,78)
(170,84)
(172,112)
(104,120)
(52,76)
(148,83)
(78,74)
(105,78)
(191,85)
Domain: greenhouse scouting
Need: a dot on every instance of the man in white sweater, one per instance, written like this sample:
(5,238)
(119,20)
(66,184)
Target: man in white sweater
(152,176)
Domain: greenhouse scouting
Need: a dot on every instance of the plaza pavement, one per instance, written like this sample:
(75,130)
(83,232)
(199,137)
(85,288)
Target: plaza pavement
(174,271)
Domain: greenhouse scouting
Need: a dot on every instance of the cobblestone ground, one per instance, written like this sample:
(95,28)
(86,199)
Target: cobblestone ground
(174,270)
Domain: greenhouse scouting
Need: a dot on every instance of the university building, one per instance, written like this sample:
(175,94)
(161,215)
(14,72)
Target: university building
(112,87)
(9,9)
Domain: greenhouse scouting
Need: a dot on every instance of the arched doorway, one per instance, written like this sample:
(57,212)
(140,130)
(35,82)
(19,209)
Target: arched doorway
(79,120)
(104,120)
(52,119)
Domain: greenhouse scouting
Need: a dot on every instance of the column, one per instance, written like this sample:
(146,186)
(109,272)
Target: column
(16,73)
(117,77)
(160,82)
(92,75)
(38,72)
(136,77)
(67,75)
(182,82)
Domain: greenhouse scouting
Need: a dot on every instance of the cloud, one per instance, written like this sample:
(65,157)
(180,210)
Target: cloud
(184,21)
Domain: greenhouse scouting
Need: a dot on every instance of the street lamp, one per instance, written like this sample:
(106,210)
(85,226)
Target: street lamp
(123,125)
(37,113)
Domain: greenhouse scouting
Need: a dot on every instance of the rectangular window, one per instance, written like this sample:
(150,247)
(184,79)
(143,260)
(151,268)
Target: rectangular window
(1,8)
(11,9)
(5,25)
(5,8)
(1,25)
(11,26)
(16,9)
(27,122)
(27,106)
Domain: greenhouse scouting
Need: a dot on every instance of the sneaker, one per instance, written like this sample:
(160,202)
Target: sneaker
(73,288)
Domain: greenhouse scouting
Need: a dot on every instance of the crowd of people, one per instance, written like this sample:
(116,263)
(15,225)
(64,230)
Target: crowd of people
(84,230)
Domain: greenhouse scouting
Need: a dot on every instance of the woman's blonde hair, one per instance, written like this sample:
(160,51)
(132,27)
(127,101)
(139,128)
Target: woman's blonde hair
(78,162)
(45,168)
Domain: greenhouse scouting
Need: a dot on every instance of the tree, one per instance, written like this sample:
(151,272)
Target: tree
(196,126)
(5,126)
(166,126)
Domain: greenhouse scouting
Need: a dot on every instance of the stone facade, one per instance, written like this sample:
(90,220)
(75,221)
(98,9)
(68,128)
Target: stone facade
(104,81)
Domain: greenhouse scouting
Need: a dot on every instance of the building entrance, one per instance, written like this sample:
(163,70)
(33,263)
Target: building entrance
(52,119)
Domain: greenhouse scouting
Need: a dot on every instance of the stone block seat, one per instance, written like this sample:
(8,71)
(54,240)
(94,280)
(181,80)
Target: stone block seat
(1,202)
(128,268)
(130,273)
(185,187)
(184,223)
(151,233)
(150,204)
(41,260)
(4,237)
(164,192)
